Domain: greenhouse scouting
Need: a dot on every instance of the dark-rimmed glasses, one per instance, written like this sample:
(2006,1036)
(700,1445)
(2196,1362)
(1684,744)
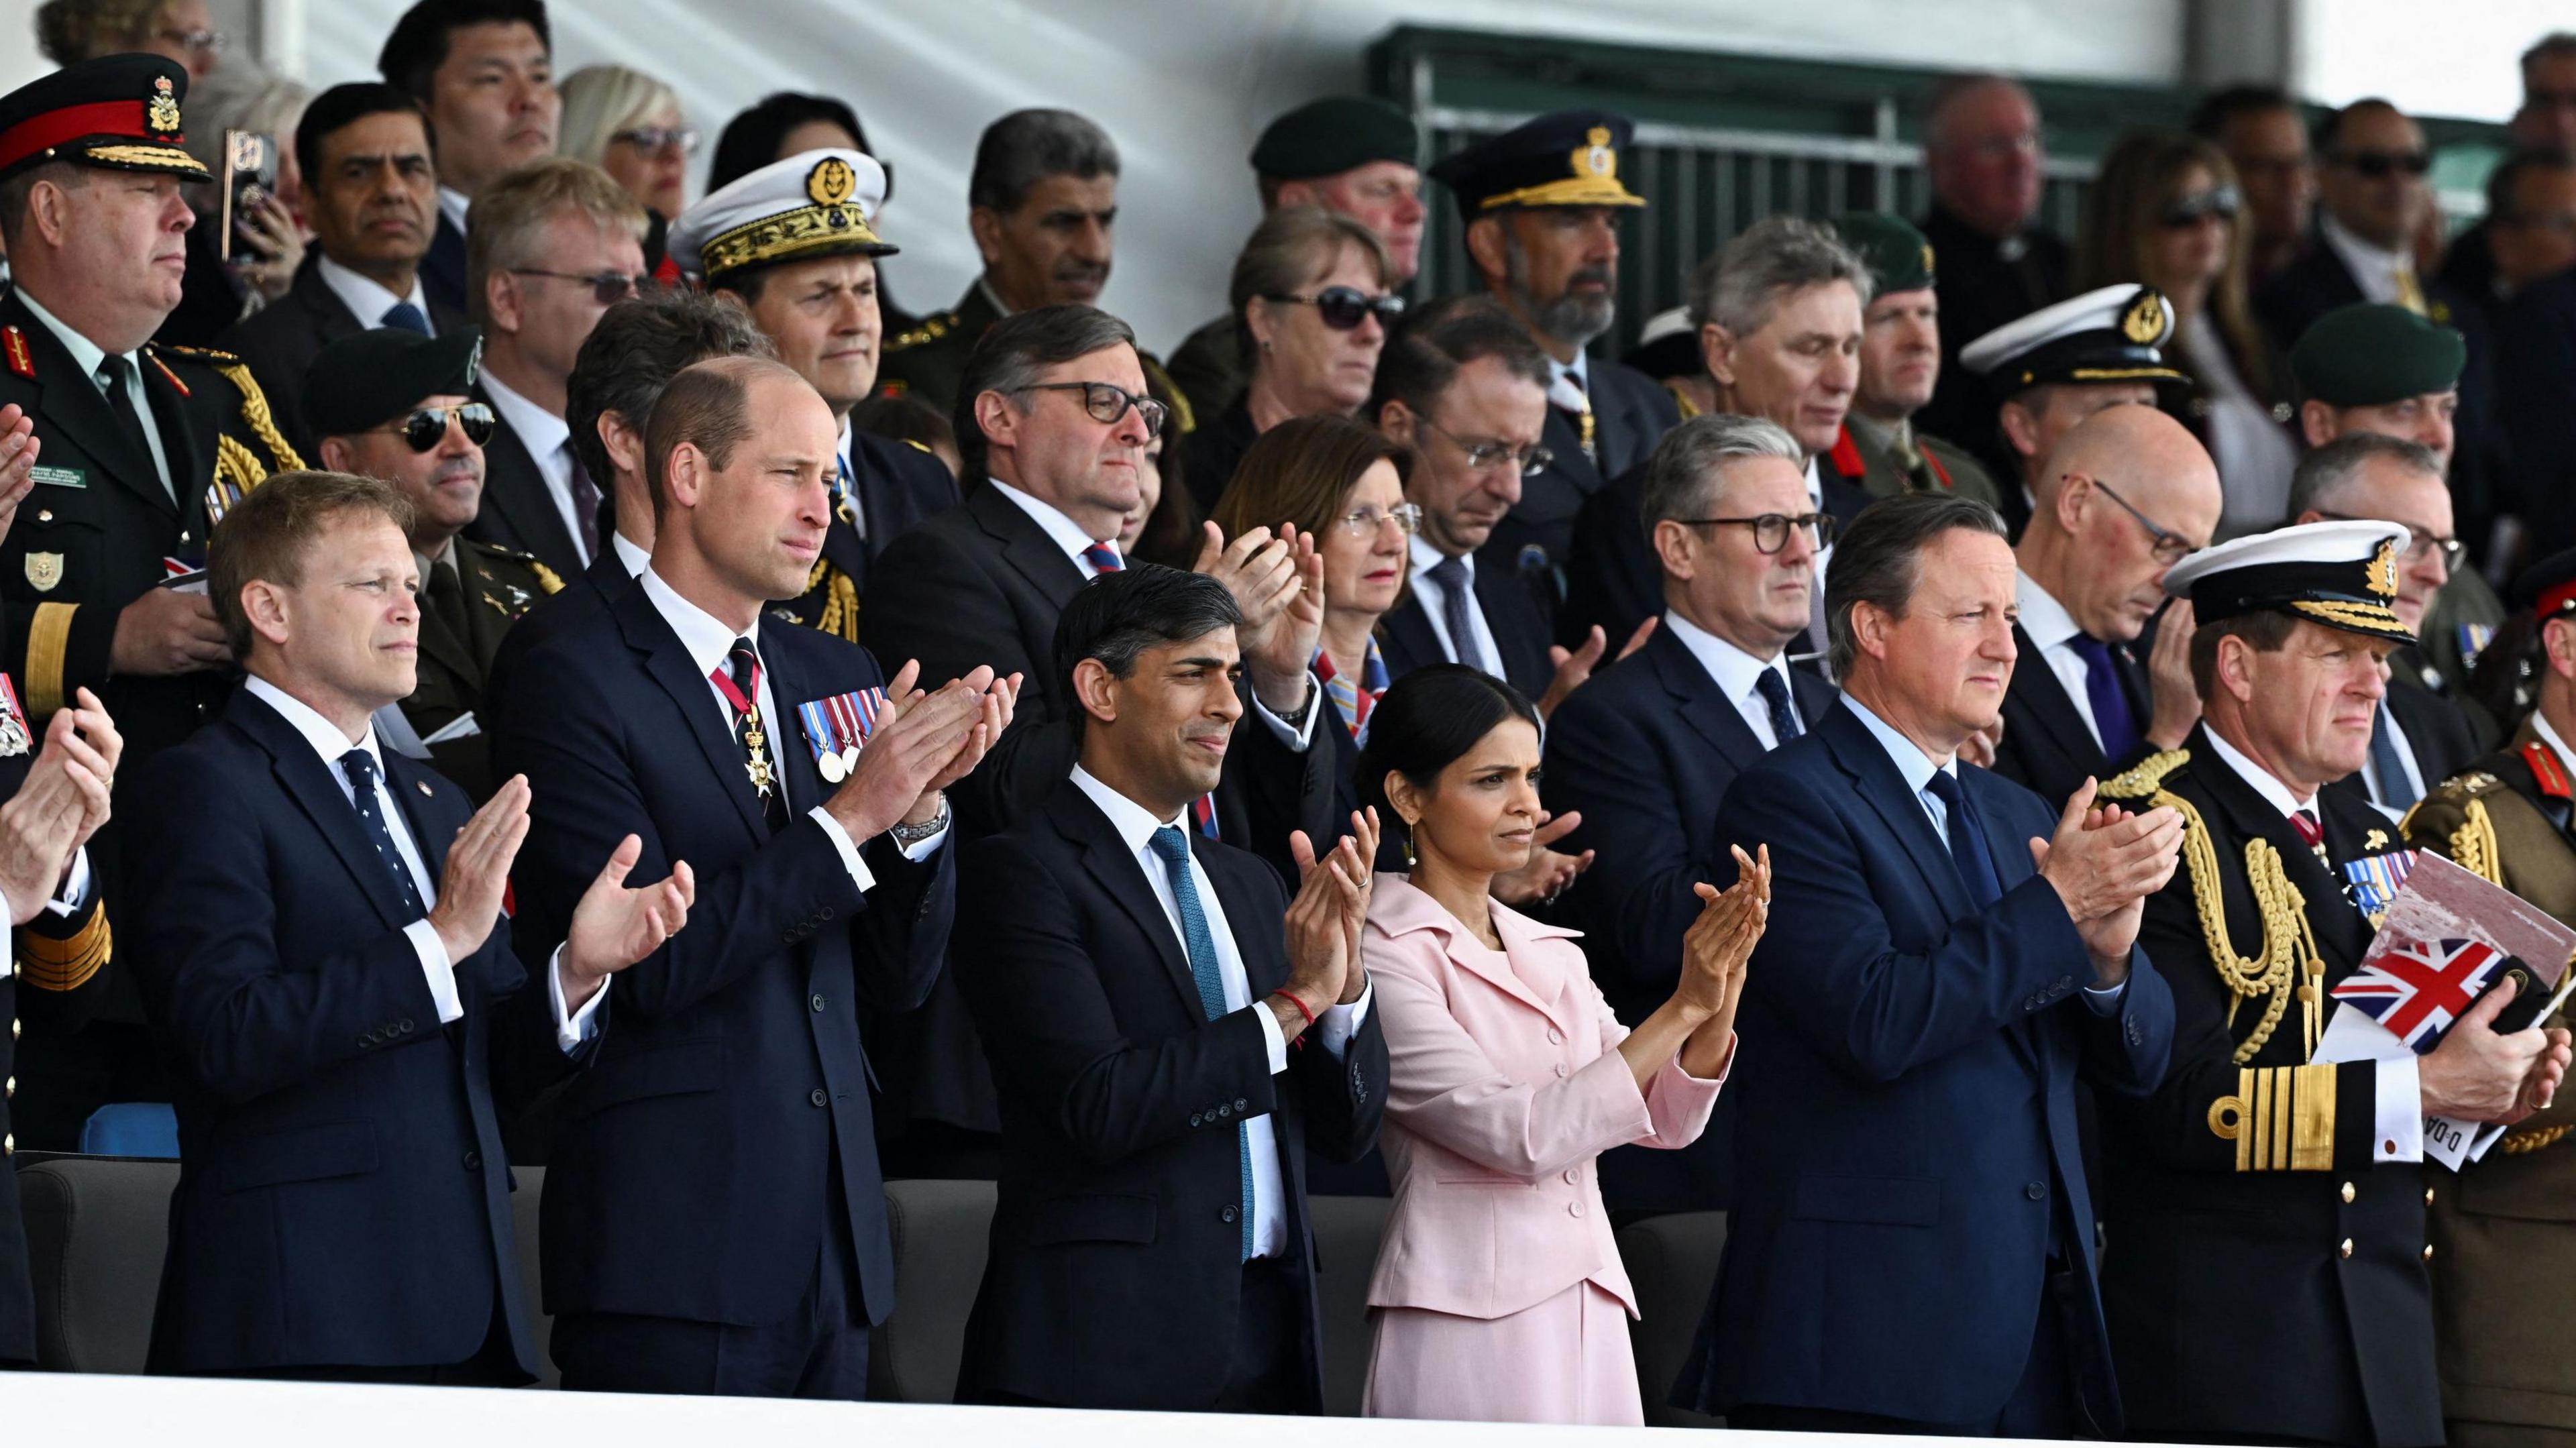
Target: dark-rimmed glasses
(2418,541)
(426,428)
(606,288)
(2168,546)
(1343,308)
(1492,453)
(1107,401)
(1771,530)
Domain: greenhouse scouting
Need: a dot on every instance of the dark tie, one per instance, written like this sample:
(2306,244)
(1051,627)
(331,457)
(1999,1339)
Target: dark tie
(1174,848)
(407,317)
(1103,558)
(585,505)
(739,682)
(1967,840)
(360,767)
(447,600)
(2395,790)
(2112,718)
(1457,610)
(1775,694)
(115,377)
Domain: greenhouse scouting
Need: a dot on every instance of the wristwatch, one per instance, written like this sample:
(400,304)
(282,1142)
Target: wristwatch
(906,836)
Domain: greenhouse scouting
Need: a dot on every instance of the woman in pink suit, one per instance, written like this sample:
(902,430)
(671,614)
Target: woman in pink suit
(1498,1294)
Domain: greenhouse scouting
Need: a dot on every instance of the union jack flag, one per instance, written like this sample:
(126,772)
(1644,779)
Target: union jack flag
(2417,989)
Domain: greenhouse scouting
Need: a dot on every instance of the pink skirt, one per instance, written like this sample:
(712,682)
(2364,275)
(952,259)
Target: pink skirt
(1565,1360)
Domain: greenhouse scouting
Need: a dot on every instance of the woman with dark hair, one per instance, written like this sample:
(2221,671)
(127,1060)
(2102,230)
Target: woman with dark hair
(2165,211)
(1498,1294)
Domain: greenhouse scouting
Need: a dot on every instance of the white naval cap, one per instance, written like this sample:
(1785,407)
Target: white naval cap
(820,203)
(2110,334)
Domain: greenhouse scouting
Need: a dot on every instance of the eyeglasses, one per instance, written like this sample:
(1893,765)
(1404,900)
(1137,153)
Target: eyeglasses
(2418,541)
(1364,522)
(1343,308)
(1493,453)
(683,139)
(426,428)
(606,288)
(1771,530)
(2222,202)
(2169,548)
(211,42)
(1107,401)
(2379,164)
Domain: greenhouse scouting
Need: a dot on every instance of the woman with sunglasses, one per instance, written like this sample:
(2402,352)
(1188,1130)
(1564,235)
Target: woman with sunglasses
(1313,302)
(629,125)
(2165,211)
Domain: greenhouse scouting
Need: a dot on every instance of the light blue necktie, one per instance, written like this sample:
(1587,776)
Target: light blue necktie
(1174,847)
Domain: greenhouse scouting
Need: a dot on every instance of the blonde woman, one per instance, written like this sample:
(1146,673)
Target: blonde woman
(629,125)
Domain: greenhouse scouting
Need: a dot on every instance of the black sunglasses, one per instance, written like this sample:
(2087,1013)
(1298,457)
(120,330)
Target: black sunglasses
(2379,164)
(1343,308)
(426,428)
(607,288)
(2187,211)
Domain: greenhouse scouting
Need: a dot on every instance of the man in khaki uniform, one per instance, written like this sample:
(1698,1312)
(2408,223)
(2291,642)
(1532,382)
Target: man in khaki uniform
(1900,362)
(2504,1231)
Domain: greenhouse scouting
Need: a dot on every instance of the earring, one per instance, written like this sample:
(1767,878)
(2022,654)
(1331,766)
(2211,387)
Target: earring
(1409,861)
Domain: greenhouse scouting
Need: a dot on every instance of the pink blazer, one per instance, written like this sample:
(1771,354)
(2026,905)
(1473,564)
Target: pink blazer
(1505,1082)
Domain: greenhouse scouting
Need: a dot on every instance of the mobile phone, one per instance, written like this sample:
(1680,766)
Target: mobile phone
(250,172)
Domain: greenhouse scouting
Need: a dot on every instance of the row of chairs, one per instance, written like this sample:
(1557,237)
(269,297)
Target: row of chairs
(97,1228)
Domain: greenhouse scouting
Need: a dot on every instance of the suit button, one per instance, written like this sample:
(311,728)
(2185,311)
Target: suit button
(44,515)
(406,1025)
(2428,1196)
(2428,1251)
(2348,1193)
(1196,1119)
(1555,1037)
(816,1001)
(2036,1191)
(13,1030)
(817,1097)
(183,535)
(827,912)
(1574,1209)
(8,1143)
(787,937)
(1240,1104)
(473,1160)
(1573,1178)
(1223,1110)
(2346,1249)
(1560,1068)
(1227,1214)
(10,1090)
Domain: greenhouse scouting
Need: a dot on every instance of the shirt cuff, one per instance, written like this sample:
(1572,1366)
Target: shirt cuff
(1272,1040)
(2399,1114)
(850,860)
(1299,735)
(2105,999)
(1334,1027)
(437,969)
(573,1028)
(75,892)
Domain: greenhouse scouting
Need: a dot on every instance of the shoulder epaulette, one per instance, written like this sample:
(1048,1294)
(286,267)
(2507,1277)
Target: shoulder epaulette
(919,446)
(2148,777)
(931,329)
(547,578)
(211,355)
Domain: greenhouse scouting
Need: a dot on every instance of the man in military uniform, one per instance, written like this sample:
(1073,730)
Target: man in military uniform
(2377,367)
(394,405)
(2501,1230)
(2269,1278)
(143,447)
(791,242)
(1900,362)
(1355,155)
(1541,205)
(2062,364)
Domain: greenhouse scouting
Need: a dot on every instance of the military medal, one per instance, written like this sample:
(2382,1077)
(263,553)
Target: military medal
(2373,880)
(837,728)
(15,735)
(754,737)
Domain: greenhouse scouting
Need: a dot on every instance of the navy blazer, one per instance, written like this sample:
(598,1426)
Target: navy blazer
(1406,640)
(518,509)
(1631,412)
(442,271)
(697,1160)
(343,1197)
(1115,1264)
(1906,1084)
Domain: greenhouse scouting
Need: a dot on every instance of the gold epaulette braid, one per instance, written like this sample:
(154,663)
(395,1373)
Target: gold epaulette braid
(2289,964)
(840,600)
(2516,1143)
(256,416)
(2147,778)
(2473,844)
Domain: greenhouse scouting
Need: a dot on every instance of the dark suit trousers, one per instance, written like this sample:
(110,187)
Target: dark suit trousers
(2044,1404)
(819,1350)
(493,1365)
(1266,1372)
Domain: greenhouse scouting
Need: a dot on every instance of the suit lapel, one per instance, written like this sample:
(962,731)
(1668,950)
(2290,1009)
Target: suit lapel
(2044,695)
(524,503)
(668,661)
(1048,568)
(309,782)
(788,688)
(1709,713)
(1410,644)
(1122,875)
(191,471)
(1875,780)
(72,407)
(1265,968)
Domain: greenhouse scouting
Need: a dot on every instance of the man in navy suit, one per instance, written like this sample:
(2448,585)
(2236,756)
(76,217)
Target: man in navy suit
(2372,193)
(1643,754)
(1911,1244)
(715,1221)
(321,961)
(1152,1247)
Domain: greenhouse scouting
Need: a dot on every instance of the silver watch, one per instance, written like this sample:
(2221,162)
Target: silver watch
(906,836)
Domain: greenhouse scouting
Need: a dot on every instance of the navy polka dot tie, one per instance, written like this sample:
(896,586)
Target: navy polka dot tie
(360,767)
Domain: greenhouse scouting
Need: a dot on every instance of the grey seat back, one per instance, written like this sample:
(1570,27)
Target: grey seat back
(1672,1260)
(1347,1230)
(941,1232)
(97,1230)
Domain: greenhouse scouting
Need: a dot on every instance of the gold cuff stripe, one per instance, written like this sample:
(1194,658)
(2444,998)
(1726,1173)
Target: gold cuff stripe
(49,638)
(2282,1118)
(65,965)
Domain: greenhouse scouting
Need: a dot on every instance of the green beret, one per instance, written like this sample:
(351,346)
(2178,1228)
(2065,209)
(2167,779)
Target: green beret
(1334,135)
(1899,256)
(367,379)
(2371,353)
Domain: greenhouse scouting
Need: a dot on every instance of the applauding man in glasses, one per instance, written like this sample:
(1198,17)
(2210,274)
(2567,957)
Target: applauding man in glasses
(391,404)
(551,246)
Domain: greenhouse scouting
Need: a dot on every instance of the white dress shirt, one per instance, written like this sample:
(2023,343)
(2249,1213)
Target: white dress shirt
(548,439)
(2399,1108)
(1569,384)
(1333,1024)
(2387,721)
(368,299)
(453,204)
(631,556)
(1917,769)
(571,1028)
(1736,673)
(1070,537)
(2375,268)
(1435,603)
(2052,631)
(89,356)
(709,641)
